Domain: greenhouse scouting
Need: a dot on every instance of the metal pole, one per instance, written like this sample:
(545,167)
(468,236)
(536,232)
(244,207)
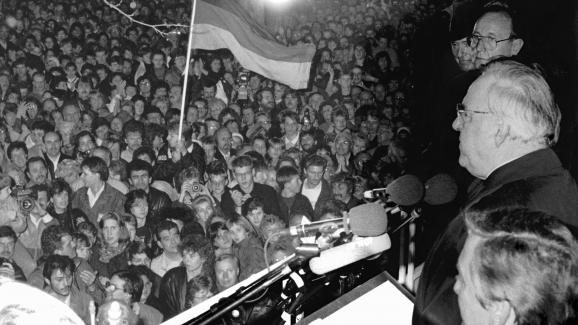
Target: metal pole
(187,67)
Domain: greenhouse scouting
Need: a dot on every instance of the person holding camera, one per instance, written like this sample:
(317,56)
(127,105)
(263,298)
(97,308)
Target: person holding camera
(33,203)
(11,216)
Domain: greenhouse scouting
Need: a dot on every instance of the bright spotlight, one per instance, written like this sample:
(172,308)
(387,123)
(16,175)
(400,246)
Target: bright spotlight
(278,2)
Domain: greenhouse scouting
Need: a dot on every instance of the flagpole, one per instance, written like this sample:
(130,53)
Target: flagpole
(187,67)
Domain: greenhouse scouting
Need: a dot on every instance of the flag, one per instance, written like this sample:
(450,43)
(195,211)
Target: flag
(225,24)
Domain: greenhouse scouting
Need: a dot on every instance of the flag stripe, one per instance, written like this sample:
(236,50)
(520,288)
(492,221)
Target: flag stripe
(293,74)
(234,7)
(245,34)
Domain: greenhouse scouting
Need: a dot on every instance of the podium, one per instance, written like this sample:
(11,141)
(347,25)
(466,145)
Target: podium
(380,300)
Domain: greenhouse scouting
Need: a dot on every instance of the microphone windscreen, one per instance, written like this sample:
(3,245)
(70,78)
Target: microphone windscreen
(343,255)
(406,190)
(440,189)
(368,220)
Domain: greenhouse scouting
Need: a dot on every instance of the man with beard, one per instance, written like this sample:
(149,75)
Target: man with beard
(308,142)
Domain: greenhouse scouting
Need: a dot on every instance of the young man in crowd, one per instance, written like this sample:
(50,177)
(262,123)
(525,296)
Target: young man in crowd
(98,196)
(58,274)
(168,239)
(315,188)
(246,187)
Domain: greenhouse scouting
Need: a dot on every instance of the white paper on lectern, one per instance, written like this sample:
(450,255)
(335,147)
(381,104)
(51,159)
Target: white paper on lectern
(384,304)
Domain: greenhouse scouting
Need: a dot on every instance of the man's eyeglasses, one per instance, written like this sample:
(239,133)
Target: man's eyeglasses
(466,115)
(488,42)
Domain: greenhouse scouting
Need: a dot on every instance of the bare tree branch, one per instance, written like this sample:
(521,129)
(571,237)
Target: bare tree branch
(159,28)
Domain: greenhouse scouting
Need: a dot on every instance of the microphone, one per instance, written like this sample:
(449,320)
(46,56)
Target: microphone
(440,189)
(366,220)
(340,256)
(406,190)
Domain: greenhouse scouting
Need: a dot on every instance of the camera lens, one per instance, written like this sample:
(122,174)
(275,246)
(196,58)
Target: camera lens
(27,204)
(196,188)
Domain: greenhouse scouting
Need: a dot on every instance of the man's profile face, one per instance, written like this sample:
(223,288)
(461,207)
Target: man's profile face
(226,273)
(499,27)
(463,54)
(477,130)
(472,311)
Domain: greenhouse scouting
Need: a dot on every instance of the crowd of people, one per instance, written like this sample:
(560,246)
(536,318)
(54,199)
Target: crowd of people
(106,204)
(104,200)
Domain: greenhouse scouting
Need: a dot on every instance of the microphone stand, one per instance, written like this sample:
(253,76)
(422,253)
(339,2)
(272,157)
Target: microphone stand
(407,247)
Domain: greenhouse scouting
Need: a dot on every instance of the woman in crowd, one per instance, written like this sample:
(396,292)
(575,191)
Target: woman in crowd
(247,246)
(114,238)
(220,238)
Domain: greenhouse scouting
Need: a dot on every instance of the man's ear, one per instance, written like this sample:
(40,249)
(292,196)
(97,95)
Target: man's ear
(47,281)
(502,133)
(517,45)
(502,313)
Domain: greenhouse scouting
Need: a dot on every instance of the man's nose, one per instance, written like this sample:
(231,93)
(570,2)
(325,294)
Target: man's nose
(456,124)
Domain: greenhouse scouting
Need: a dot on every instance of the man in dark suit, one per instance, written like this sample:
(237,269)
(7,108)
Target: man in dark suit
(52,154)
(98,197)
(224,140)
(507,123)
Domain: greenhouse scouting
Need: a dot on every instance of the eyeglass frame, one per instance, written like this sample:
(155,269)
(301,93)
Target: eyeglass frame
(461,112)
(480,37)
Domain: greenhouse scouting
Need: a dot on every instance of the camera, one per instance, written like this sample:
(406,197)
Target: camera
(195,188)
(25,199)
(243,81)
